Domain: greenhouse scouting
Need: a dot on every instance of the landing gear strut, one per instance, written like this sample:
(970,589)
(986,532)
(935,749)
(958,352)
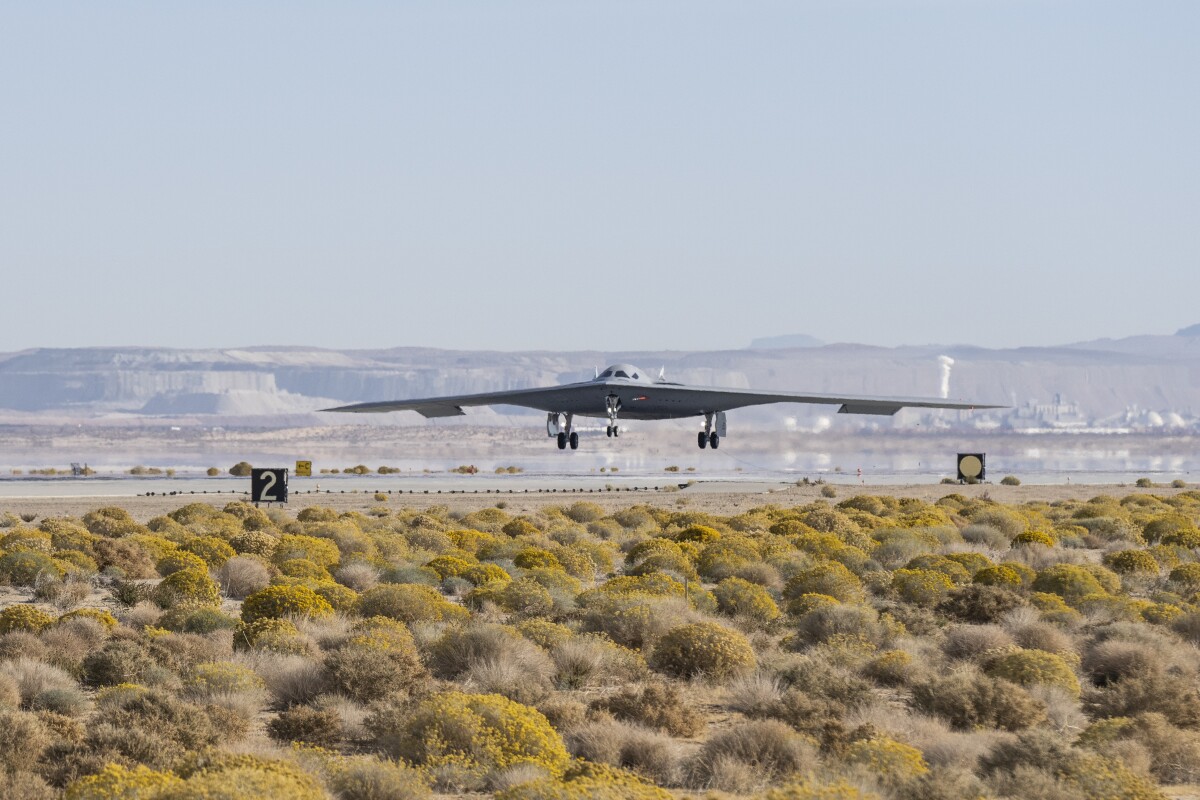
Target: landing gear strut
(613,405)
(563,434)
(708,436)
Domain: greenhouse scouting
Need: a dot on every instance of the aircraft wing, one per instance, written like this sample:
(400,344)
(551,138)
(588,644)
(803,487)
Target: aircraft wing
(546,399)
(715,399)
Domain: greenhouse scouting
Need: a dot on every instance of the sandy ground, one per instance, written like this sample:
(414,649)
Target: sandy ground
(717,498)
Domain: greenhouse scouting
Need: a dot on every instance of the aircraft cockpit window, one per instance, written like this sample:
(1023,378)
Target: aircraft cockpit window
(606,374)
(635,376)
(621,374)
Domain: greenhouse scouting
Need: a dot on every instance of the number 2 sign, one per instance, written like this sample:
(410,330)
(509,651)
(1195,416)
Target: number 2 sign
(268,485)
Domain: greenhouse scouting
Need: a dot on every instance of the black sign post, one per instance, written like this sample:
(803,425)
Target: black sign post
(268,485)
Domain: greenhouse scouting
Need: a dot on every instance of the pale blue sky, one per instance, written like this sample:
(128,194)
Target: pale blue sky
(616,175)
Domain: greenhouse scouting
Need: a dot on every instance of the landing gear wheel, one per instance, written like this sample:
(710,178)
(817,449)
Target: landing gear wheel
(702,440)
(574,438)
(609,431)
(616,431)
(562,441)
(714,440)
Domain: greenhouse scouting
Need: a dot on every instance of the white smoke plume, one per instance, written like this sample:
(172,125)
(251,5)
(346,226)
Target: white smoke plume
(945,363)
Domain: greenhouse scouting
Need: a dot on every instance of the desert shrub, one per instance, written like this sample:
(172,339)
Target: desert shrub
(980,603)
(179,559)
(257,543)
(921,587)
(524,596)
(116,782)
(247,778)
(987,535)
(1172,525)
(591,659)
(536,558)
(1034,537)
(270,633)
(111,521)
(479,574)
(830,621)
(369,778)
(1030,667)
(608,741)
(495,657)
(741,598)
(1010,480)
(543,632)
(1174,696)
(22,567)
(892,668)
(119,661)
(584,512)
(281,601)
(1069,581)
(586,780)
(893,762)
(380,659)
(1131,562)
(828,578)
(998,575)
(968,700)
(191,587)
(976,642)
(242,576)
(189,619)
(23,739)
(634,619)
(342,599)
(409,603)
(124,557)
(464,739)
(1040,764)
(703,649)
(153,728)
(307,725)
(21,617)
(1186,576)
(766,749)
(654,705)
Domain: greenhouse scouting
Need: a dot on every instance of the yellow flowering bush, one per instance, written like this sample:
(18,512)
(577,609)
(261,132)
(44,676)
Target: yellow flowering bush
(737,597)
(22,617)
(703,649)
(282,601)
(192,587)
(1030,667)
(921,587)
(476,735)
(116,782)
(893,762)
(409,602)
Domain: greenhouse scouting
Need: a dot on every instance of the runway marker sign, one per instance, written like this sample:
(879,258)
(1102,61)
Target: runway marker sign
(268,485)
(304,469)
(971,467)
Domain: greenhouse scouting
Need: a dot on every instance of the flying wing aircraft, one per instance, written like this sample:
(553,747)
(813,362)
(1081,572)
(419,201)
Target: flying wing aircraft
(624,390)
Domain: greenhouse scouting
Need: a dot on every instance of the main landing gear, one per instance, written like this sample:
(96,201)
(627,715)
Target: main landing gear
(562,433)
(708,436)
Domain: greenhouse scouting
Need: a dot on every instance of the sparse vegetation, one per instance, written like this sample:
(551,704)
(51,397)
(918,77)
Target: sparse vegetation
(867,647)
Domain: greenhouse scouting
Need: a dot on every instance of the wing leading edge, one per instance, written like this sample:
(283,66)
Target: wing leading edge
(674,400)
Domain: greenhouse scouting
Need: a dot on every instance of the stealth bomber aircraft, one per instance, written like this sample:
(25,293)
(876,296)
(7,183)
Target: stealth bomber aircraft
(624,390)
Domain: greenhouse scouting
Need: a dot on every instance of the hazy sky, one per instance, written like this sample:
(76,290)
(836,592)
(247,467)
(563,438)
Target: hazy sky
(615,175)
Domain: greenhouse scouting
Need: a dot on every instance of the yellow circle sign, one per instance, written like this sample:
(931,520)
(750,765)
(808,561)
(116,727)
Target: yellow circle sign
(970,466)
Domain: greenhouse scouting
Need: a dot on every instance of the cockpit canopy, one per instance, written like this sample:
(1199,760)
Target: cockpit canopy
(623,371)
